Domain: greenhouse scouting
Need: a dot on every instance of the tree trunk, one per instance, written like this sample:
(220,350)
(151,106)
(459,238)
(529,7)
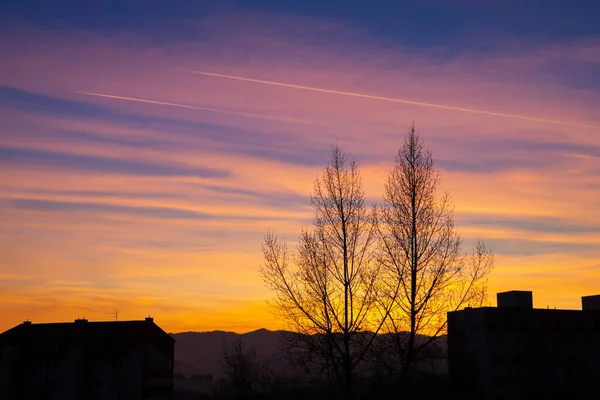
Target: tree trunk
(413,272)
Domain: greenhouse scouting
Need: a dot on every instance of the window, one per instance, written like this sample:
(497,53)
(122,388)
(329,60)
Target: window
(499,380)
(498,359)
(518,359)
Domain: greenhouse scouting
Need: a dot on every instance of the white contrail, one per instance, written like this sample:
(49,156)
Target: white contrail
(215,110)
(395,100)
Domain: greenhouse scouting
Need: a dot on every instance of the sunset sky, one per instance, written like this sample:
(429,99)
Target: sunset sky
(130,181)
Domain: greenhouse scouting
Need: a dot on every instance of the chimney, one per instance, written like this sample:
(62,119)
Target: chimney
(515,299)
(81,320)
(27,322)
(590,303)
(149,319)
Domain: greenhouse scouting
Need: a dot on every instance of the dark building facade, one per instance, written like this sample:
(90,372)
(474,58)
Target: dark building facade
(86,360)
(515,351)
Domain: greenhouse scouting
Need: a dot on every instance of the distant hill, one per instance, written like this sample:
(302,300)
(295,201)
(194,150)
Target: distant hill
(201,353)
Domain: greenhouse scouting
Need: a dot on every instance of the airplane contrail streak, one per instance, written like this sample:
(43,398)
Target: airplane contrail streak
(215,110)
(395,100)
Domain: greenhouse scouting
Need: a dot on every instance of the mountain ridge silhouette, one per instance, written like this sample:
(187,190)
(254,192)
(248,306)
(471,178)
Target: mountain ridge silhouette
(201,352)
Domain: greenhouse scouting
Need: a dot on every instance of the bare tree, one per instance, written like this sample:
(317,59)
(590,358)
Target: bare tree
(328,292)
(421,250)
(247,374)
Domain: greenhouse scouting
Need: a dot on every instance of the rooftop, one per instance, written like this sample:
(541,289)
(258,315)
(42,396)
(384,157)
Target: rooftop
(82,330)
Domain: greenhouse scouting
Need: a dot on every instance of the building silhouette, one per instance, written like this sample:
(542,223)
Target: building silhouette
(86,360)
(515,351)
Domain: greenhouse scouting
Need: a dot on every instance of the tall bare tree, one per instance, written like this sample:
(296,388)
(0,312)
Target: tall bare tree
(421,250)
(328,292)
